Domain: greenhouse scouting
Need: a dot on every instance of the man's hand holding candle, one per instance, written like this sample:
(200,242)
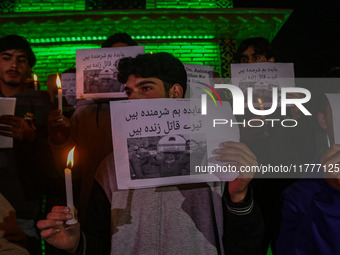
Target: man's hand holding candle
(58,127)
(57,233)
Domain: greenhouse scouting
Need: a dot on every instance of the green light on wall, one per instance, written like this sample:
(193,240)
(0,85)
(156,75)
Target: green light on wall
(188,4)
(61,57)
(137,37)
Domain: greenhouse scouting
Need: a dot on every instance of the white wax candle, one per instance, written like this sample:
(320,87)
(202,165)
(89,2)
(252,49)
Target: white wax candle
(60,99)
(69,195)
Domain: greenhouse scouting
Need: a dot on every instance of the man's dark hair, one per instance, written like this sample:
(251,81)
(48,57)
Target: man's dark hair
(10,42)
(163,66)
(119,37)
(261,47)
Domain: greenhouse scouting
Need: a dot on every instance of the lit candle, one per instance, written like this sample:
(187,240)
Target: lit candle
(261,103)
(35,78)
(68,184)
(60,94)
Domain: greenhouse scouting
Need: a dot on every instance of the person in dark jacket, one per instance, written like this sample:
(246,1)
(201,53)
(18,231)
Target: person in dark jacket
(177,219)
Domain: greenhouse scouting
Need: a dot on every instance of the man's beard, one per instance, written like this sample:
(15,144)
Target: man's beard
(13,84)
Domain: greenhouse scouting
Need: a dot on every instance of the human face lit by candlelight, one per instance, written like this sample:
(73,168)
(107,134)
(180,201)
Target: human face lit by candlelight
(143,88)
(14,67)
(250,56)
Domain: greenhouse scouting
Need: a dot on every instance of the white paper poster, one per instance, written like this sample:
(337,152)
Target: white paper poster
(161,142)
(97,73)
(262,77)
(198,77)
(7,107)
(334,100)
(68,85)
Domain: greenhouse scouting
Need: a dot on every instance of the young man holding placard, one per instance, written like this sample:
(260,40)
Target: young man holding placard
(23,168)
(273,144)
(181,219)
(255,50)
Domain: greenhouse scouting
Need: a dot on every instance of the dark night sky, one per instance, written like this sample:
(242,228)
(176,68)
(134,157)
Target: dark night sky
(311,36)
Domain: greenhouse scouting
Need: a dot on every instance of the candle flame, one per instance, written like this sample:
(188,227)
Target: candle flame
(35,77)
(58,82)
(70,158)
(259,100)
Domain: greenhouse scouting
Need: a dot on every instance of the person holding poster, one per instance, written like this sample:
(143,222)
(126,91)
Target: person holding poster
(255,50)
(250,51)
(88,128)
(310,213)
(201,218)
(119,40)
(25,167)
(271,144)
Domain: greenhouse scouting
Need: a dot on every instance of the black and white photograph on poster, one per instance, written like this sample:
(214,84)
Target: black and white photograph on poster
(68,85)
(7,107)
(102,81)
(163,142)
(262,78)
(97,73)
(165,156)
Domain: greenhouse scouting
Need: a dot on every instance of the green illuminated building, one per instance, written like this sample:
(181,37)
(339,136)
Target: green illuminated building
(196,31)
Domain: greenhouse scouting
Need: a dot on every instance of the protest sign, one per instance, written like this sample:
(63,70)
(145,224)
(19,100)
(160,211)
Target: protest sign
(7,107)
(167,141)
(97,73)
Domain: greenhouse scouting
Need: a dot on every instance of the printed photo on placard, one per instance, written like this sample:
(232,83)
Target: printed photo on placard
(165,155)
(7,107)
(97,73)
(68,85)
(167,142)
(262,78)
